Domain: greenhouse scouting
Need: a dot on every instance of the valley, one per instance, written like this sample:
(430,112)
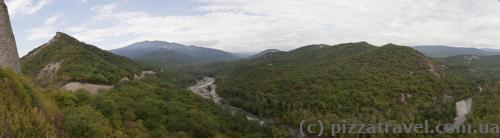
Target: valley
(265,95)
(249,69)
(207,89)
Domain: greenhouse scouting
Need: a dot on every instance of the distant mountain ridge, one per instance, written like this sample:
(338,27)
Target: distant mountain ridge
(263,53)
(489,61)
(167,57)
(144,49)
(447,51)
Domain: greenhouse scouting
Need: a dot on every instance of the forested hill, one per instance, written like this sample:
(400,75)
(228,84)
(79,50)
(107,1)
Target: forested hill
(348,83)
(64,59)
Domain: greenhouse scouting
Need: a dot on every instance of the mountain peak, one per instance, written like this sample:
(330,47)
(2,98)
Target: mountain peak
(60,36)
(389,45)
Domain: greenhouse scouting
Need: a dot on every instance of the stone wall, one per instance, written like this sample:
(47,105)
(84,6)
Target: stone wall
(9,58)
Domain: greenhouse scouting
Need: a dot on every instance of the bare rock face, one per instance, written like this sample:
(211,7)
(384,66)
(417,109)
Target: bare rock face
(464,107)
(93,89)
(49,72)
(9,58)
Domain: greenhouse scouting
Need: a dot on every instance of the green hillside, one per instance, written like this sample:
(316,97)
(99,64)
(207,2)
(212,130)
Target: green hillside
(64,59)
(349,83)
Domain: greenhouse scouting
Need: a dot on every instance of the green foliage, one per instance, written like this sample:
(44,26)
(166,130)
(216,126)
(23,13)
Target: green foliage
(152,107)
(80,62)
(85,121)
(347,83)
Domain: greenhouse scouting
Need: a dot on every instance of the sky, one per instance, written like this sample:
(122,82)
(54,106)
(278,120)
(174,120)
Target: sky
(255,25)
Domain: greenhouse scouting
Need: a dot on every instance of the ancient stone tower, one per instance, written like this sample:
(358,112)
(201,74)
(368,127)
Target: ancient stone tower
(9,58)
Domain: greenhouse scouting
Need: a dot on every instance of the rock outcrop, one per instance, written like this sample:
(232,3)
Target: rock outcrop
(91,88)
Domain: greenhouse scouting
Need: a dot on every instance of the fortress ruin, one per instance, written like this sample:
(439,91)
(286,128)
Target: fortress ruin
(9,57)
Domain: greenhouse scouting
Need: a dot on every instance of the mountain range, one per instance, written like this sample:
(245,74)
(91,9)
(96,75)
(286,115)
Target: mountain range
(173,53)
(447,51)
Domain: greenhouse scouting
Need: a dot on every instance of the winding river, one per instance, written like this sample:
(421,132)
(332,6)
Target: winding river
(206,88)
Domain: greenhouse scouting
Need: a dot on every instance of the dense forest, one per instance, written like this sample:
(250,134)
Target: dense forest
(347,83)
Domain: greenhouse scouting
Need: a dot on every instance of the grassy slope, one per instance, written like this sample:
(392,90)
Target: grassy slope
(24,109)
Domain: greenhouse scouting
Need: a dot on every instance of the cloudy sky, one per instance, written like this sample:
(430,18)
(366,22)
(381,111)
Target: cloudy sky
(254,25)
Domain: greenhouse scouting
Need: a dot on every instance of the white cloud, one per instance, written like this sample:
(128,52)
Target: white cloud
(19,8)
(46,30)
(53,19)
(243,25)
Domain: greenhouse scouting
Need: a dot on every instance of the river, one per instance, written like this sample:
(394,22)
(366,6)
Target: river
(207,89)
